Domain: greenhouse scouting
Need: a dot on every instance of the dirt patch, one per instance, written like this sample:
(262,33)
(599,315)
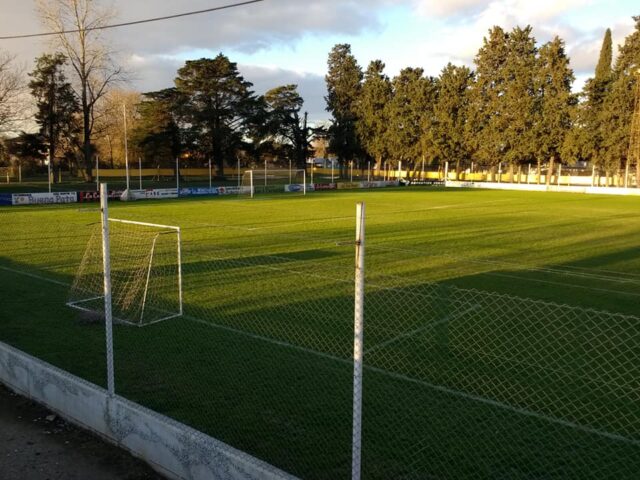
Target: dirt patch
(36,444)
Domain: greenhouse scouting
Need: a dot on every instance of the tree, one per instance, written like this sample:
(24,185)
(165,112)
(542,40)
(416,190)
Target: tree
(502,113)
(409,113)
(445,139)
(618,105)
(216,106)
(109,129)
(372,121)
(157,133)
(487,120)
(56,103)
(555,102)
(343,80)
(89,56)
(589,134)
(11,87)
(283,106)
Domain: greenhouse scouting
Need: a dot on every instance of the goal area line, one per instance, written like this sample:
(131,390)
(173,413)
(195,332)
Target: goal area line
(394,375)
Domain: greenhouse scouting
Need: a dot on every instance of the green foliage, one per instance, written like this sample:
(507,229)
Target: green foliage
(409,112)
(343,80)
(373,123)
(555,100)
(157,133)
(617,107)
(283,120)
(216,103)
(445,139)
(56,103)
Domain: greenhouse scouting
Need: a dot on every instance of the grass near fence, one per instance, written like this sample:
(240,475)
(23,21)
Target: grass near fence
(501,329)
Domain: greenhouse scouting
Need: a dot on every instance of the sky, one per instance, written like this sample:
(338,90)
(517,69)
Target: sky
(277,42)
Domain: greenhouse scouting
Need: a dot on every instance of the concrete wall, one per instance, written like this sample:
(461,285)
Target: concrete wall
(544,188)
(172,448)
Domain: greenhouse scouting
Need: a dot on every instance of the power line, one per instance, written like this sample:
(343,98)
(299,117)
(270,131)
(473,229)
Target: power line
(135,22)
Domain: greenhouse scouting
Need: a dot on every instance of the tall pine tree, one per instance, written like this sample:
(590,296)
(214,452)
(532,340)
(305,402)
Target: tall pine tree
(555,102)
(344,84)
(445,136)
(372,122)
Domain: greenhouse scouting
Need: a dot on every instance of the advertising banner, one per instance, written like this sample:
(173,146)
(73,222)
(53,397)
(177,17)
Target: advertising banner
(43,198)
(94,196)
(6,199)
(325,186)
(297,187)
(229,190)
(187,192)
(156,193)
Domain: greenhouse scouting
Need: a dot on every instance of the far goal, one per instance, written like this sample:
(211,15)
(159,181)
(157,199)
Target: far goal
(260,181)
(146,273)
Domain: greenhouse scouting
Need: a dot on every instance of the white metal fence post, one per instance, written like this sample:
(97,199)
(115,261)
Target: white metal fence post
(106,265)
(358,345)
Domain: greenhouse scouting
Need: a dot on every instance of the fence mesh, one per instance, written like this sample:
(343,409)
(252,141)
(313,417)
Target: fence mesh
(458,382)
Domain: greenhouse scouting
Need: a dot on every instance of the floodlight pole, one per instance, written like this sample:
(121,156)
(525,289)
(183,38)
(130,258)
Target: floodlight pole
(304,182)
(140,171)
(251,181)
(593,175)
(446,172)
(126,149)
(351,171)
(49,172)
(331,171)
(97,173)
(265,175)
(358,344)
(368,170)
(106,265)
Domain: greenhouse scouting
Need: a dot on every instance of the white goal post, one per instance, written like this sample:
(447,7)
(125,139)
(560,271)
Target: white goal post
(145,266)
(273,181)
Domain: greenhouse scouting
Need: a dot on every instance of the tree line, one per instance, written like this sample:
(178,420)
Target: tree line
(516,107)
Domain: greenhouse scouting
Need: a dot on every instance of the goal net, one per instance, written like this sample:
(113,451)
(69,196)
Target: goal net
(273,181)
(146,273)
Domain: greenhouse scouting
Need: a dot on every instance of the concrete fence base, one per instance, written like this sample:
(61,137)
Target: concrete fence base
(175,450)
(545,188)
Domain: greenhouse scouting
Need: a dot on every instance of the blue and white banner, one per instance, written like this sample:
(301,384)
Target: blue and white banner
(43,198)
(187,192)
(297,187)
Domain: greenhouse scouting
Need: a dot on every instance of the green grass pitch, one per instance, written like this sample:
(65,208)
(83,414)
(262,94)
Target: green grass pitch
(502,337)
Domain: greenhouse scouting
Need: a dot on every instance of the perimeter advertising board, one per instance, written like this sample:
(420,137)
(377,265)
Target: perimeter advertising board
(43,198)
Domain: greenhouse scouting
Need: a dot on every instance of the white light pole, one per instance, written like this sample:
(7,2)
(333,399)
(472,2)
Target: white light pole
(97,173)
(49,171)
(140,171)
(126,149)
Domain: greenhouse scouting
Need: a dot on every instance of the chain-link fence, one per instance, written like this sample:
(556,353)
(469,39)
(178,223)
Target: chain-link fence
(457,382)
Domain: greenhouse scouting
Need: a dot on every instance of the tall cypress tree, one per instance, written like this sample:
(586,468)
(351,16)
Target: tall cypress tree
(372,122)
(617,107)
(409,113)
(445,138)
(343,80)
(555,101)
(56,103)
(589,134)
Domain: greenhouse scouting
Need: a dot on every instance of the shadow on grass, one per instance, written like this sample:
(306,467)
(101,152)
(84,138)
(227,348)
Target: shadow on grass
(457,383)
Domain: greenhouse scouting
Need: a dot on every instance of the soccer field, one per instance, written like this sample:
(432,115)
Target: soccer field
(502,337)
